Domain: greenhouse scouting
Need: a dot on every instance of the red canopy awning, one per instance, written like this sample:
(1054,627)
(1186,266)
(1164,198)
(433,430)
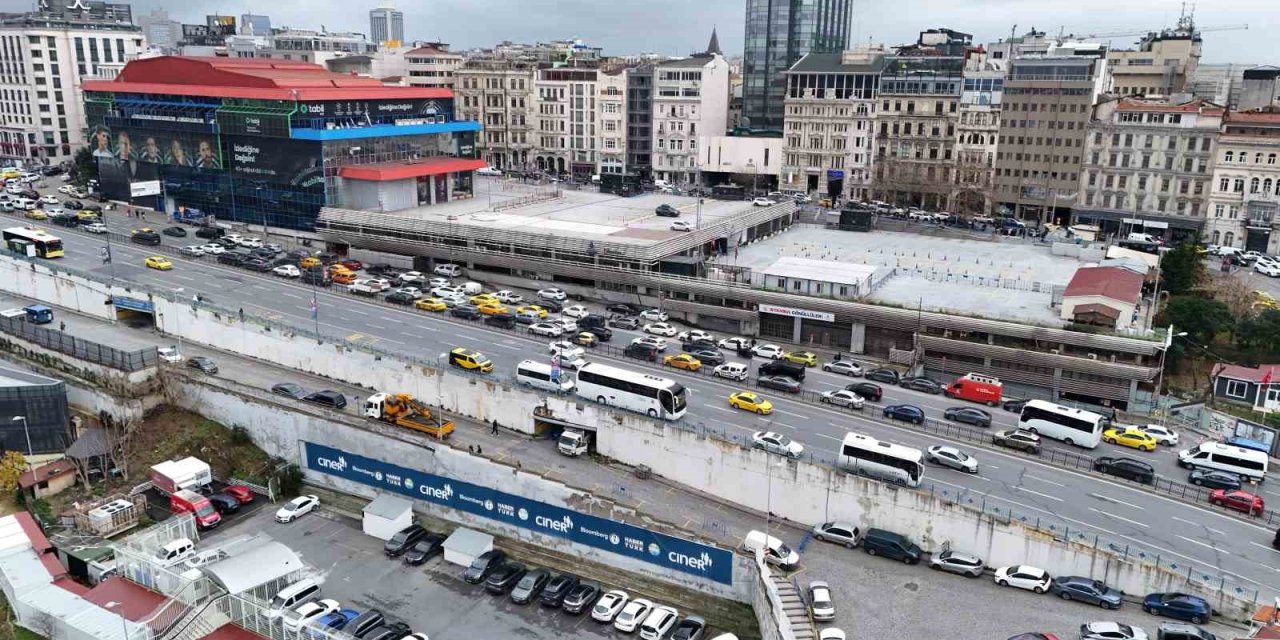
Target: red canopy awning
(384,171)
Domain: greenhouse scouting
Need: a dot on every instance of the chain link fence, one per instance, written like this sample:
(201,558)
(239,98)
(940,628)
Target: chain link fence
(80,348)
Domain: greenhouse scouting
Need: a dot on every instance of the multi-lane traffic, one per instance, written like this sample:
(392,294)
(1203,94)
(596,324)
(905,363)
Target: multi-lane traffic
(1121,513)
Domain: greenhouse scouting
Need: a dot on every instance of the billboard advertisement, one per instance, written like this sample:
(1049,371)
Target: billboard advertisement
(668,552)
(146,188)
(426,108)
(295,163)
(147,145)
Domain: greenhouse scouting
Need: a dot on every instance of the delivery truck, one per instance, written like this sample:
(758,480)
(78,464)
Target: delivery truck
(574,442)
(171,476)
(184,501)
(976,387)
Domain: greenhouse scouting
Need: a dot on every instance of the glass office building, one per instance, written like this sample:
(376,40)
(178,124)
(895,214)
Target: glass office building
(778,33)
(269,142)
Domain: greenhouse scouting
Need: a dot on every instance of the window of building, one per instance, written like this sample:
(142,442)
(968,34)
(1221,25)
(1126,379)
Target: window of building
(1237,388)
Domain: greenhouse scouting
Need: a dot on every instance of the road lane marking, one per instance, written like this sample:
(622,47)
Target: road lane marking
(1209,546)
(1267,547)
(1112,515)
(802,417)
(1116,501)
(1037,493)
(1091,526)
(500,345)
(721,408)
(1039,479)
(357,311)
(828,436)
(375,326)
(1197,524)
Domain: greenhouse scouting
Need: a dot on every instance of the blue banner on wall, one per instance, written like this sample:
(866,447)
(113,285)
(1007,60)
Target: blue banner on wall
(659,549)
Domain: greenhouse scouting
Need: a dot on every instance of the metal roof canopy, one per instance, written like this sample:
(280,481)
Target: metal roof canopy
(820,270)
(388,506)
(468,541)
(254,568)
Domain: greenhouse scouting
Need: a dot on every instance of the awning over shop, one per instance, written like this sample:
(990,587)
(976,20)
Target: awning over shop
(384,171)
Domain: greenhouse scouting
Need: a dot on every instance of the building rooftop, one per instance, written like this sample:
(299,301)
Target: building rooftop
(1258,374)
(253,78)
(11,377)
(1265,115)
(833,63)
(44,472)
(820,270)
(1165,106)
(1115,283)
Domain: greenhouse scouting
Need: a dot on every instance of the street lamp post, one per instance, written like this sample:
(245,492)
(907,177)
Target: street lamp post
(27,432)
(768,500)
(1168,341)
(177,321)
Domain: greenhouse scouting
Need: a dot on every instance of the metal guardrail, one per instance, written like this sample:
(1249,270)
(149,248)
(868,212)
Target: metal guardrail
(81,348)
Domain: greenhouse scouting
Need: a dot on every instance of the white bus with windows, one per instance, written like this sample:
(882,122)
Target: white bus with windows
(866,456)
(1249,464)
(1072,426)
(640,392)
(541,375)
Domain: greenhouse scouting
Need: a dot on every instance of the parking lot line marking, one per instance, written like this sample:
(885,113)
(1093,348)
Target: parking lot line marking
(1112,515)
(1037,493)
(1103,498)
(1197,524)
(1217,550)
(1056,484)
(1268,548)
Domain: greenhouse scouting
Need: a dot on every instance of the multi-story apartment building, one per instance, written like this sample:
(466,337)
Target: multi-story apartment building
(1162,65)
(977,133)
(690,98)
(1259,87)
(498,93)
(432,65)
(916,131)
(830,123)
(640,119)
(564,118)
(1147,166)
(778,33)
(611,105)
(44,56)
(1245,198)
(161,32)
(1044,112)
(312,46)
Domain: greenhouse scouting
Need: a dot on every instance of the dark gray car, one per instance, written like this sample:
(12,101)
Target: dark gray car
(289,389)
(1086,590)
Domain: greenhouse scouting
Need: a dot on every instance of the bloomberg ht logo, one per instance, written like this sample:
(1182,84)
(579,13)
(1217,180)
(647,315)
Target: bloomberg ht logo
(564,525)
(701,563)
(338,465)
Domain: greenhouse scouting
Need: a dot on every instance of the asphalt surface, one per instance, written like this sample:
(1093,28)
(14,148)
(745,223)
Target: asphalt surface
(1124,515)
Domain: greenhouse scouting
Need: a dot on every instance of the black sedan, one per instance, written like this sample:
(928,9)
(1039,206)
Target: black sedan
(667,211)
(907,412)
(700,344)
(621,308)
(73,205)
(708,356)
(206,365)
(403,298)
(1214,479)
(502,579)
(1013,405)
(403,540)
(484,565)
(921,384)
(177,232)
(581,598)
(466,312)
(530,586)
(781,383)
(887,376)
(289,389)
(424,549)
(968,415)
(1127,468)
(868,391)
(224,503)
(558,589)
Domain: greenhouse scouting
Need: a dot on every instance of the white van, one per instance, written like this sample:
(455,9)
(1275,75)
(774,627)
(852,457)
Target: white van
(472,288)
(1246,463)
(538,376)
(1144,237)
(775,552)
(174,551)
(290,597)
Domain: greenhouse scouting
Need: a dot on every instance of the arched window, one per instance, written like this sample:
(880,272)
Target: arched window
(1253,185)
(1229,239)
(1266,185)
(1215,237)
(1231,155)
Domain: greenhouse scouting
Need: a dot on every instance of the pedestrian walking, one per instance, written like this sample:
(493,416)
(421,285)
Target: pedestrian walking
(493,431)
(62,326)
(241,314)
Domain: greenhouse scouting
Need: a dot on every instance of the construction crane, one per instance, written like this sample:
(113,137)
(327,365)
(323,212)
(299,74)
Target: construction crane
(1145,32)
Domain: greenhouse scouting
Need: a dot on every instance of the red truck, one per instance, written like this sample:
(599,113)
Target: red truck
(976,387)
(184,501)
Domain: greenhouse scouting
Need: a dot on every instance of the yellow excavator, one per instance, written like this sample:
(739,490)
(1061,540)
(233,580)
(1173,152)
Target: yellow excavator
(401,409)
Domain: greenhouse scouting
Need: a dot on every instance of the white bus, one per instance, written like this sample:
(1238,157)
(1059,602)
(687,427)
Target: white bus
(1249,464)
(639,392)
(538,376)
(1072,426)
(886,461)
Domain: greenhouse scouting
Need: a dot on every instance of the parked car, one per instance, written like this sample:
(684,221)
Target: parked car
(203,364)
(837,532)
(1214,479)
(1106,630)
(624,322)
(866,390)
(955,562)
(328,398)
(424,549)
(530,586)
(609,606)
(505,578)
(297,508)
(952,457)
(1237,500)
(632,615)
(775,442)
(968,415)
(820,605)
(691,628)
(887,376)
(1180,606)
(1017,439)
(224,503)
(580,598)
(843,367)
(1023,577)
(1127,468)
(483,565)
(906,412)
(403,540)
(1086,590)
(781,383)
(557,589)
(921,384)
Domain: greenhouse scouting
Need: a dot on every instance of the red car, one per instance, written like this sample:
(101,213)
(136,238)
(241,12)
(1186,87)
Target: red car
(354,265)
(1241,501)
(242,494)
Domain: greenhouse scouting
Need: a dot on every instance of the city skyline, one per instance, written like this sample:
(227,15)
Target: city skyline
(468,24)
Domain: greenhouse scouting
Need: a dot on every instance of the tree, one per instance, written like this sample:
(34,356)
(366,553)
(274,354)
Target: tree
(12,465)
(85,166)
(1182,269)
(1260,333)
(1202,318)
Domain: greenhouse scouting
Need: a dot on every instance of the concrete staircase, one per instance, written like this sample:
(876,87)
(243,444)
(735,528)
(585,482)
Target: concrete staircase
(794,608)
(199,622)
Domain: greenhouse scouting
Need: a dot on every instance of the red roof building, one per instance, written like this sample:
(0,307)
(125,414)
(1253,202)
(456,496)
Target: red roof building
(1106,296)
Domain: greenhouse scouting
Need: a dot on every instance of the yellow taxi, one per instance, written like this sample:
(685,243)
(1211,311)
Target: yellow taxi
(493,309)
(471,360)
(806,358)
(683,361)
(750,401)
(35,214)
(158,262)
(10,174)
(1132,437)
(430,304)
(541,313)
(309,263)
(586,339)
(481,299)
(85,215)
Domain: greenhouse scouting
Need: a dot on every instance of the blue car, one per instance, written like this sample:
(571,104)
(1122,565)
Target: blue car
(1181,606)
(335,621)
(1086,590)
(908,412)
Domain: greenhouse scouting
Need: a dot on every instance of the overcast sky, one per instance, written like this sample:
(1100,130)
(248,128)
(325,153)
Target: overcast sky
(682,26)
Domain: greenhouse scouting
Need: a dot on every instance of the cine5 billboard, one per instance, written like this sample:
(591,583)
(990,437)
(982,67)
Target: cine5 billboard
(294,163)
(668,552)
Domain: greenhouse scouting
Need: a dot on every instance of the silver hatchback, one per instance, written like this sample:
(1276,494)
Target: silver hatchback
(961,563)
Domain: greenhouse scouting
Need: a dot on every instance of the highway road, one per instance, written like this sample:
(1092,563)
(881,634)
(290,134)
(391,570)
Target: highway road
(1121,514)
